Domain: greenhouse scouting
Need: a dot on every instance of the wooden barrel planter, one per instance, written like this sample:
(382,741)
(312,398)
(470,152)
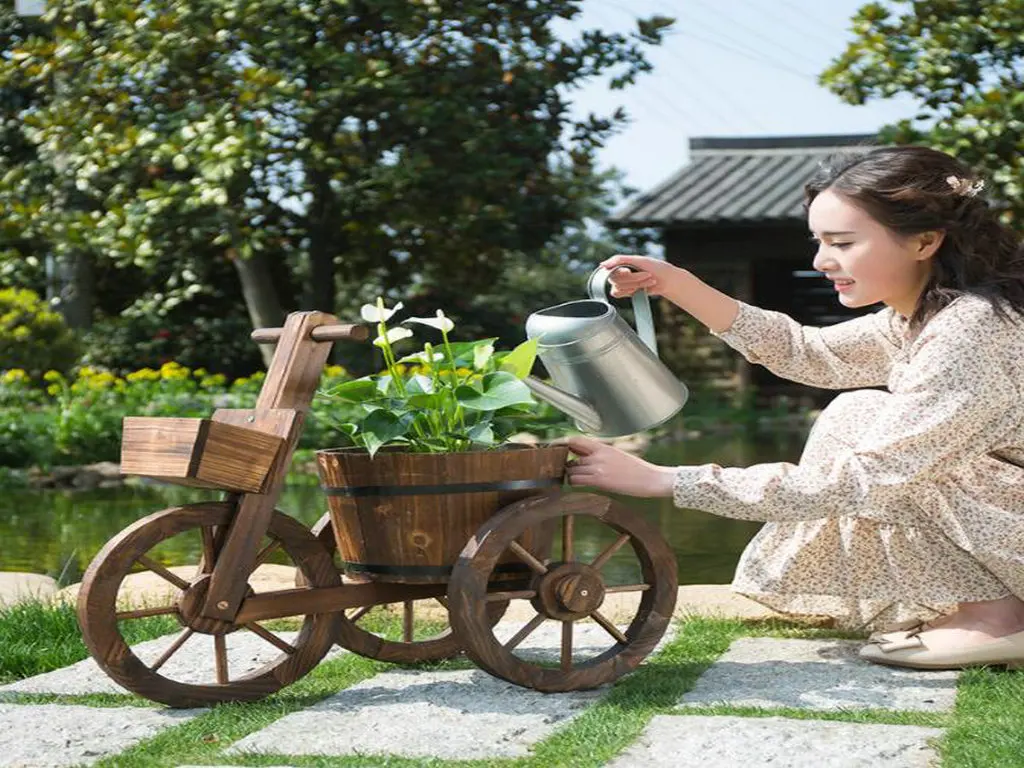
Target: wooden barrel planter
(405,517)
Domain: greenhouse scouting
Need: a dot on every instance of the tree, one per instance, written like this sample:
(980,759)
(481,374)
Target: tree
(964,62)
(26,258)
(427,138)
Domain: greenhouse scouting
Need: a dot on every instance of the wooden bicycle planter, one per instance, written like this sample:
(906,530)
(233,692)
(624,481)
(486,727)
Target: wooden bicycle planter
(467,531)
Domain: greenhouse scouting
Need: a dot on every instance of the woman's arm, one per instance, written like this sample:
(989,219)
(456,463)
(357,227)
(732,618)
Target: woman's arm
(708,305)
(857,353)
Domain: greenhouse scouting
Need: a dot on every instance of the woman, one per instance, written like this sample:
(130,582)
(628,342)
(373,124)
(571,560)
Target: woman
(906,503)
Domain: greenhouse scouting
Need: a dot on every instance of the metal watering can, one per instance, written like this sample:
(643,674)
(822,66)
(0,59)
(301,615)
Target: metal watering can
(608,379)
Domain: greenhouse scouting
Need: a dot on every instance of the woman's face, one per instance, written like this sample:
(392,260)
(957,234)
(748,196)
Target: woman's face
(866,262)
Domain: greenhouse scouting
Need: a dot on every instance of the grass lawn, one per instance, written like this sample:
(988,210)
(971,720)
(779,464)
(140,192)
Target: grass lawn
(984,731)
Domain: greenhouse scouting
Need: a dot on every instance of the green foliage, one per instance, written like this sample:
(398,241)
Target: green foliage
(465,396)
(77,419)
(33,338)
(963,63)
(218,343)
(426,139)
(37,637)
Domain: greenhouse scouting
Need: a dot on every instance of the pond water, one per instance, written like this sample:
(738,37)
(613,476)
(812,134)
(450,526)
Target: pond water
(59,532)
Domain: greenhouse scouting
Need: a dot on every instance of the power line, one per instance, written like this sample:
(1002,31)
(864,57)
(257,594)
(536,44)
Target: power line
(741,25)
(803,12)
(688,119)
(746,115)
(753,55)
(811,30)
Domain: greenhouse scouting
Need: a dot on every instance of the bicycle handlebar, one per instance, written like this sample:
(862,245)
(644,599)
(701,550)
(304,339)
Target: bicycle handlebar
(349,332)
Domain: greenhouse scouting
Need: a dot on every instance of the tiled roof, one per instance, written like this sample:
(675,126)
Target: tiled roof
(731,180)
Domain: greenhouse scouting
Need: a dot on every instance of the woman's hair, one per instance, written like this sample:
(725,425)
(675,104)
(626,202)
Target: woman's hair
(911,190)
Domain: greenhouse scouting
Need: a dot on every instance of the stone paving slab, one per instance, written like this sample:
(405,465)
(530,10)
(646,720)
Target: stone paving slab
(680,741)
(462,714)
(45,735)
(817,674)
(193,662)
(403,712)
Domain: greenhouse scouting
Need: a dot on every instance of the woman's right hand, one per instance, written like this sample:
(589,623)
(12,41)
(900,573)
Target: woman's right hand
(654,276)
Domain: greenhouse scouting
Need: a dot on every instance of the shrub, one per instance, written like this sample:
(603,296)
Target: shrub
(218,343)
(32,337)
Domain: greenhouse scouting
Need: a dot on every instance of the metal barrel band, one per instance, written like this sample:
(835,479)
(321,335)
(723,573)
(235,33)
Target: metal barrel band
(451,488)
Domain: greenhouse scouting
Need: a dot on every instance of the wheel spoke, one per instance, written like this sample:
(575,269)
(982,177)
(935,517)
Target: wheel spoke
(566,646)
(178,642)
(221,658)
(527,558)
(523,633)
(610,628)
(497,597)
(141,613)
(627,588)
(605,556)
(407,621)
(567,533)
(270,637)
(265,553)
(360,613)
(163,572)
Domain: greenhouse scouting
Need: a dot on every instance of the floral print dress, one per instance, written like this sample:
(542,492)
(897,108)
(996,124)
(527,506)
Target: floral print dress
(904,501)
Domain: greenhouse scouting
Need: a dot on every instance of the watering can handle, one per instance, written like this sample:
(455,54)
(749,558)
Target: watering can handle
(597,287)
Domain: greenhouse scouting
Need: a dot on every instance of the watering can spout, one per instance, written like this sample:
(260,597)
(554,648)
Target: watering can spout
(585,415)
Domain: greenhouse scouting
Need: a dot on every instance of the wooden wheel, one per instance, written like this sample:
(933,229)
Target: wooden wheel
(567,591)
(367,630)
(199,529)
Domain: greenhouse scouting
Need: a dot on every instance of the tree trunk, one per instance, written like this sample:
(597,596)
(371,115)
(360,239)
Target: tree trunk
(70,287)
(261,299)
(324,231)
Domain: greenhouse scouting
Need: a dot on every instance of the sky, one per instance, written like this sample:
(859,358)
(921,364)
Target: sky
(728,68)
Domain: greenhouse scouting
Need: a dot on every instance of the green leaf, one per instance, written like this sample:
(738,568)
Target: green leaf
(464,351)
(355,391)
(499,390)
(419,385)
(381,427)
(519,361)
(482,433)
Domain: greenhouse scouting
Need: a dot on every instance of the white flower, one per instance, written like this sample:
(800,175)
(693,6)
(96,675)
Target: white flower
(440,322)
(393,335)
(378,313)
(421,357)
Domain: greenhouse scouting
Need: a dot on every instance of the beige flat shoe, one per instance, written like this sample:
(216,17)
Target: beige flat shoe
(911,650)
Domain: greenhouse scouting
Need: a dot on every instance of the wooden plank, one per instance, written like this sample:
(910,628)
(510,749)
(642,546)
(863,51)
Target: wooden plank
(291,383)
(198,452)
(295,602)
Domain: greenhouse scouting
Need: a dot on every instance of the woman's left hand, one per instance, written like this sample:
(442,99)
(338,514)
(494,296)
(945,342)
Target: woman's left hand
(611,469)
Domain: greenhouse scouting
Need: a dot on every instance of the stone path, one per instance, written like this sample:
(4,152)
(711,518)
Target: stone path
(194,662)
(43,735)
(727,742)
(402,712)
(466,713)
(823,675)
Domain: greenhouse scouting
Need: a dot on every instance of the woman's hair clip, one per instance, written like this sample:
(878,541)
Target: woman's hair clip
(964,186)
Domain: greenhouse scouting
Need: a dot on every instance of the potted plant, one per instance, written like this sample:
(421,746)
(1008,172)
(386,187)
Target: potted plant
(431,459)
